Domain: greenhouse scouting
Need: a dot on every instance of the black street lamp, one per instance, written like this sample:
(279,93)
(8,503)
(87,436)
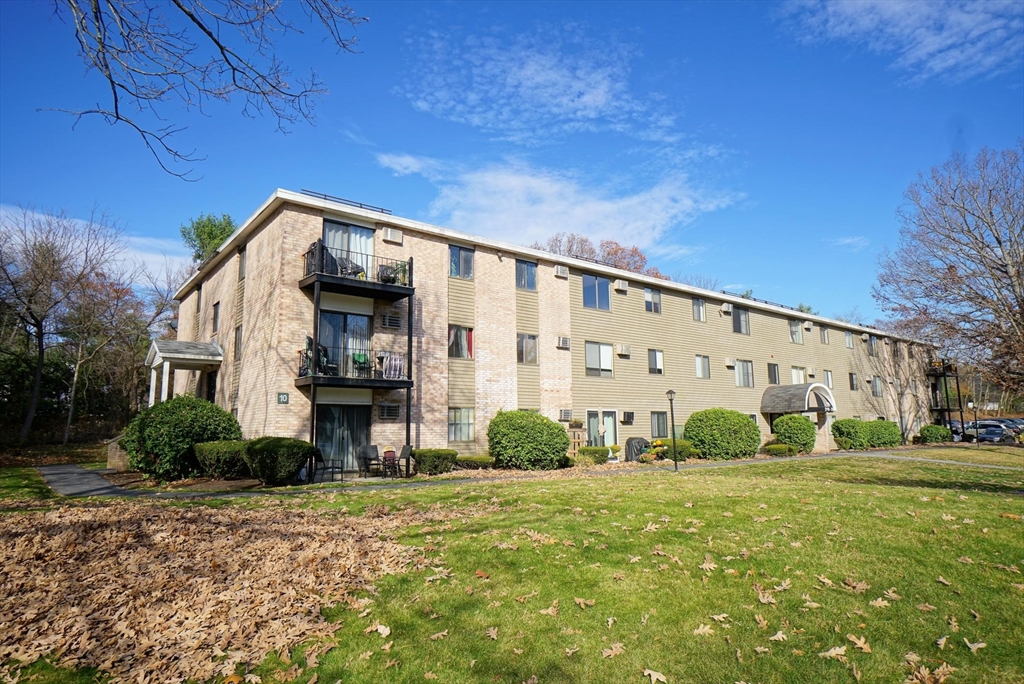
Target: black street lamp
(671,394)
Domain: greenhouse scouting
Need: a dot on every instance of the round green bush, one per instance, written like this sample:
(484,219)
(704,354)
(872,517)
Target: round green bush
(722,434)
(276,461)
(796,431)
(160,441)
(936,433)
(224,459)
(526,441)
(434,461)
(851,429)
(882,433)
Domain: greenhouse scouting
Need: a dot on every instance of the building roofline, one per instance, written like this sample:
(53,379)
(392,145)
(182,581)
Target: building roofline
(281,196)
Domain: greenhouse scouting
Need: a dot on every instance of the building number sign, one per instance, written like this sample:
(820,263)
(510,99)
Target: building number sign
(282,397)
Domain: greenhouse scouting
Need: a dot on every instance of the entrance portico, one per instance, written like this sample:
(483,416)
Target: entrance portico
(813,400)
(171,355)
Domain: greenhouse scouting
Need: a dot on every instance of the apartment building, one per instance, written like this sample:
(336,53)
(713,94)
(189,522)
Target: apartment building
(339,323)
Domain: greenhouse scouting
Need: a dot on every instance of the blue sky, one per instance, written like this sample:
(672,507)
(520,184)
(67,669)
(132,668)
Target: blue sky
(764,145)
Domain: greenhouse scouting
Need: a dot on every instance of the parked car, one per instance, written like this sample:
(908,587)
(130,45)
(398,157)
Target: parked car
(972,428)
(1010,423)
(999,435)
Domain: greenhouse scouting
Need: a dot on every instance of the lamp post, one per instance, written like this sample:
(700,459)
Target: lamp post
(977,431)
(671,394)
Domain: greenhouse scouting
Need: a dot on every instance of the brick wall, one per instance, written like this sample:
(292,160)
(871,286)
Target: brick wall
(494,339)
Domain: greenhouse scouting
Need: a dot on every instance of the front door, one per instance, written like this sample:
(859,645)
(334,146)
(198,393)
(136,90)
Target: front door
(608,422)
(340,430)
(594,429)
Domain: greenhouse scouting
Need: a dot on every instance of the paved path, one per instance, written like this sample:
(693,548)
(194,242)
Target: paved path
(76,481)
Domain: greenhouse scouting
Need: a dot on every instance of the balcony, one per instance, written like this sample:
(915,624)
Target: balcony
(353,273)
(354,367)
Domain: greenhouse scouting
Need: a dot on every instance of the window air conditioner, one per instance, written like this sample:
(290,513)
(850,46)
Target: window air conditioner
(730,362)
(565,415)
(564,343)
(621,285)
(865,337)
(808,325)
(627,417)
(561,271)
(727,308)
(810,372)
(392,235)
(622,349)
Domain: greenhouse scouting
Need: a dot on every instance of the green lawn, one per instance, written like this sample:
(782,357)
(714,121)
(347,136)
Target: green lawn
(22,484)
(896,553)
(989,454)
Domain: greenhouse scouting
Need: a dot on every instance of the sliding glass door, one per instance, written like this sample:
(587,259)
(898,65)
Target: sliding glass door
(350,242)
(346,345)
(340,430)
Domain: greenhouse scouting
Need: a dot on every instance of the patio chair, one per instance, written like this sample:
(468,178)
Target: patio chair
(405,456)
(390,462)
(361,365)
(323,361)
(369,459)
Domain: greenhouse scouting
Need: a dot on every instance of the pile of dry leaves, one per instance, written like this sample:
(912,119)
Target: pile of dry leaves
(560,474)
(153,592)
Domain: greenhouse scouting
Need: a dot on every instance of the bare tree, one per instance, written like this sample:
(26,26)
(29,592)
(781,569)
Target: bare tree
(195,51)
(697,280)
(45,261)
(957,276)
(610,253)
(569,244)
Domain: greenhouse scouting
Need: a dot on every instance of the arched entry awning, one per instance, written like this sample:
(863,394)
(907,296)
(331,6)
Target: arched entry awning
(803,398)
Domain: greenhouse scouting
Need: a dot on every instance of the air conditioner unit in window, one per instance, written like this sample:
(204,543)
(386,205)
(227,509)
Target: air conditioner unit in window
(808,325)
(864,337)
(730,362)
(622,349)
(627,417)
(561,271)
(392,235)
(621,285)
(810,372)
(564,343)
(727,308)
(565,415)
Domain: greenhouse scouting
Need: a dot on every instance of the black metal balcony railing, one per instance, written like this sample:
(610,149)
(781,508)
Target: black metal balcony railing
(354,362)
(321,259)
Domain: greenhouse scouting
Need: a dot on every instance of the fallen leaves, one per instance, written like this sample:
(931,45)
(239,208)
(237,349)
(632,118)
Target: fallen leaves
(492,632)
(923,675)
(975,647)
(835,653)
(778,636)
(655,676)
(551,610)
(439,635)
(583,603)
(942,580)
(704,630)
(860,642)
(879,603)
(925,607)
(571,650)
(614,650)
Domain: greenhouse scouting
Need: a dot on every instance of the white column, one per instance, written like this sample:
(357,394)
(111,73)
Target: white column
(167,380)
(152,385)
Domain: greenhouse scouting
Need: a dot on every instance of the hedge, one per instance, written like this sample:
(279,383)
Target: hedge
(936,433)
(722,434)
(598,455)
(684,449)
(882,433)
(434,461)
(779,450)
(160,440)
(527,441)
(224,459)
(851,429)
(474,462)
(276,461)
(795,430)
(844,443)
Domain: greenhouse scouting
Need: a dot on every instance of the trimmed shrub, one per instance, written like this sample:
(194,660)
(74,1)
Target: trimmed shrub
(161,440)
(527,441)
(615,449)
(224,460)
(598,455)
(722,434)
(936,433)
(648,457)
(851,429)
(844,443)
(882,433)
(795,430)
(580,461)
(434,461)
(684,449)
(474,462)
(780,450)
(276,461)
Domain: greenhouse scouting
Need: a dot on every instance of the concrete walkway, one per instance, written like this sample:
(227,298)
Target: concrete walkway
(76,481)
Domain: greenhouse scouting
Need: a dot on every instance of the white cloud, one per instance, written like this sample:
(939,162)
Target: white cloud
(530,87)
(955,39)
(518,203)
(407,164)
(852,243)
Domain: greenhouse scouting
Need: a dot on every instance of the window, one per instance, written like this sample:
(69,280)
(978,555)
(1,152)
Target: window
(699,310)
(599,359)
(744,373)
(741,320)
(387,411)
(241,264)
(773,374)
(238,342)
(703,366)
(526,348)
(526,275)
(211,387)
(910,351)
(853,382)
(828,379)
(652,300)
(216,317)
(796,332)
(655,362)
(876,386)
(596,292)
(872,346)
(460,425)
(753,417)
(460,262)
(659,425)
(799,375)
(849,340)
(824,334)
(460,342)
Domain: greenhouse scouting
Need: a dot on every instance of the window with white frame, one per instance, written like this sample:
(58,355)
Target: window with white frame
(659,425)
(460,262)
(699,310)
(799,374)
(876,386)
(461,425)
(853,382)
(655,361)
(872,345)
(526,348)
(773,374)
(703,366)
(828,379)
(744,373)
(823,331)
(849,340)
(652,300)
(460,342)
(238,342)
(598,359)
(796,332)
(741,320)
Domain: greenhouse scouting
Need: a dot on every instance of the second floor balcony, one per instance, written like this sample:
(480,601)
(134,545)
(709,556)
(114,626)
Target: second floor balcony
(354,273)
(354,366)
